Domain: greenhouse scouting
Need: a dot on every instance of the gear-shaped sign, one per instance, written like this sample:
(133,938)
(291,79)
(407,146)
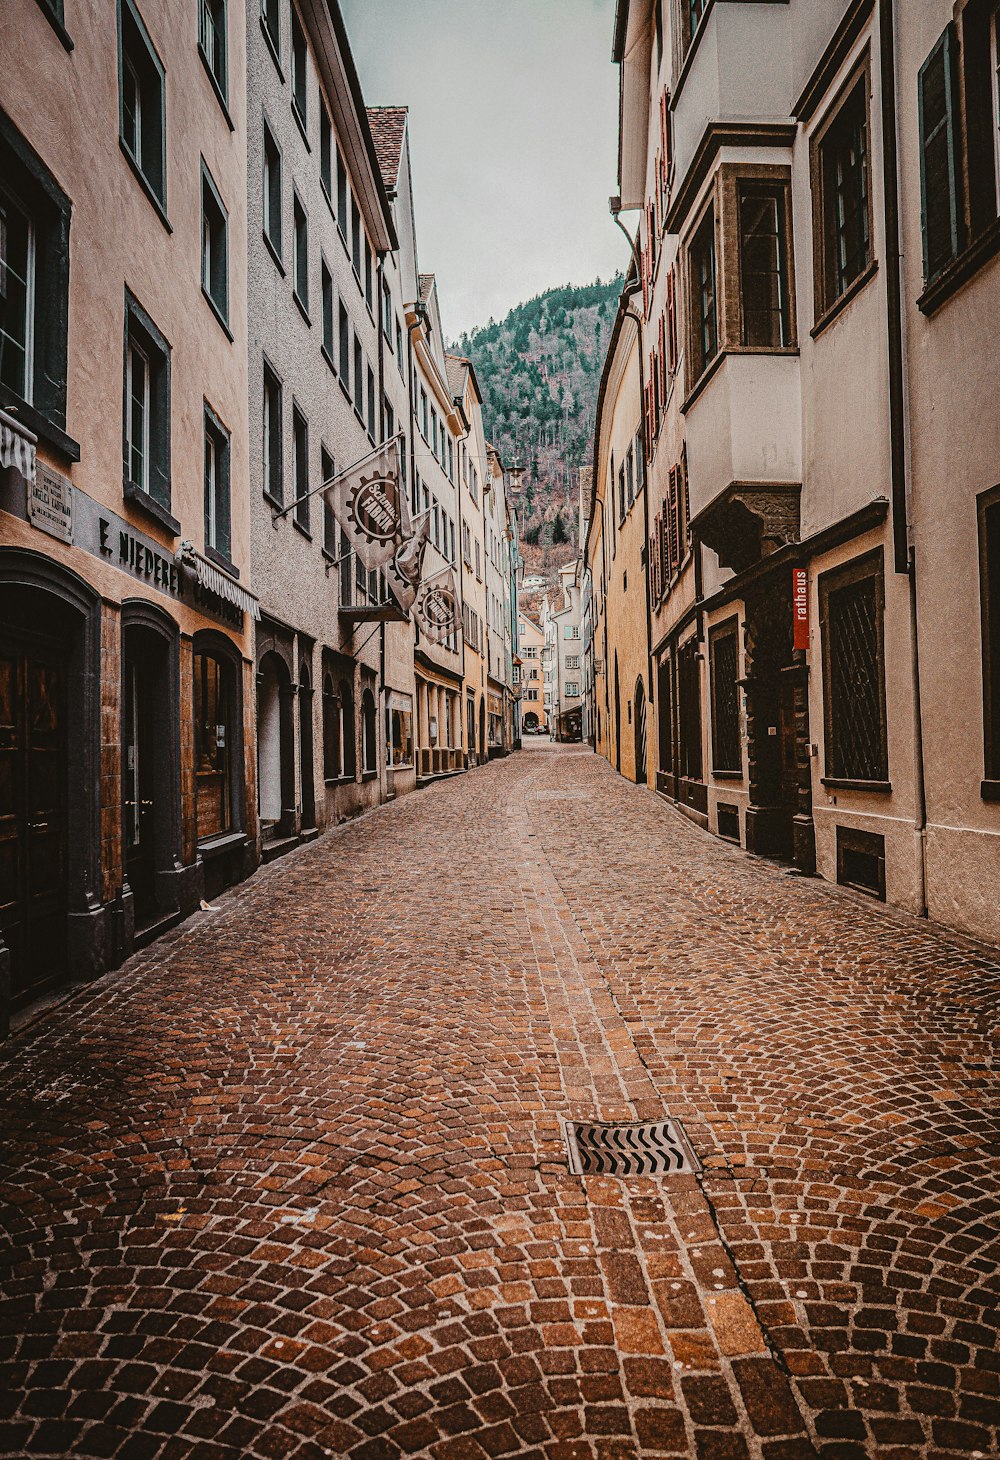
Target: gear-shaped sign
(373,510)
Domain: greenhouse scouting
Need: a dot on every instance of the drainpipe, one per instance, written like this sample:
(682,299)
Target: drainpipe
(384,716)
(904,552)
(640,330)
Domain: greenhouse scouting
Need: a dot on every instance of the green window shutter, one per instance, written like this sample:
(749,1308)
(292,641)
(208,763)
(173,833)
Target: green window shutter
(937,92)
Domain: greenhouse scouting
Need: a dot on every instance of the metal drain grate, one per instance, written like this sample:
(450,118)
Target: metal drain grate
(656,1149)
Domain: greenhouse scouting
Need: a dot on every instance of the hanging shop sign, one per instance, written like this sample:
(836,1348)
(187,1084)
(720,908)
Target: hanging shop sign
(800,608)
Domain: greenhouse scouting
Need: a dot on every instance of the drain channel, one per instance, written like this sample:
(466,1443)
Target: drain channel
(659,1148)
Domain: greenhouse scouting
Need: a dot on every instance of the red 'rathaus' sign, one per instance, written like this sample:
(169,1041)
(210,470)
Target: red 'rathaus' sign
(800,608)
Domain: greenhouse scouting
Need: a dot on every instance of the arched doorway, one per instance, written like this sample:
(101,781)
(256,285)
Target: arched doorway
(306,743)
(639,727)
(275,748)
(531,721)
(618,719)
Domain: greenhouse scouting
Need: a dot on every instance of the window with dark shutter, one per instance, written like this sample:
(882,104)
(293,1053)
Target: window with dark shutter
(854,672)
(989,574)
(937,93)
(724,657)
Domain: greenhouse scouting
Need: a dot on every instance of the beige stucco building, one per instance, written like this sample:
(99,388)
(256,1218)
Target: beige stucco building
(531,643)
(810,267)
(126,626)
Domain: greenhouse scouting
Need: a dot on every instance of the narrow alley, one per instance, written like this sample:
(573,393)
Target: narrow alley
(293,1181)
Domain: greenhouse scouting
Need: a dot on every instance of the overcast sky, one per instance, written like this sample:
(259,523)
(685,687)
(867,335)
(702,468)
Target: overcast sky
(513,135)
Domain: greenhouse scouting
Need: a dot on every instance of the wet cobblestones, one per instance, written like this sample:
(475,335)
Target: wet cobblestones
(293,1183)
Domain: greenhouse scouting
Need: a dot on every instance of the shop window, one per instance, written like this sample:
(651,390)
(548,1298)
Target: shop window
(300,95)
(272,192)
(989,561)
(851,610)
(34,289)
(764,284)
(842,197)
(142,103)
(332,763)
(347,734)
(300,257)
(273,447)
(214,701)
(300,463)
(217,486)
(214,247)
(704,303)
(212,42)
(724,658)
(146,436)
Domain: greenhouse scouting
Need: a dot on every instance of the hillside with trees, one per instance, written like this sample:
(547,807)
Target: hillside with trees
(539,370)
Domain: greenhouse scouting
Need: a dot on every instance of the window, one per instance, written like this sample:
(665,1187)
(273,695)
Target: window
(370,401)
(212,40)
(300,467)
(572,661)
(400,745)
(272,191)
(299,74)
(479,566)
(989,574)
(326,287)
(147,408)
(841,174)
(327,470)
(344,335)
(215,721)
(572,689)
(341,196)
(436,518)
(359,379)
(142,92)
(423,414)
(214,247)
(727,753)
(273,453)
(853,672)
(621,493)
(217,497)
(270,19)
(349,762)
(17,297)
(300,259)
(387,314)
(940,165)
(325,151)
(630,474)
(763,267)
(355,238)
(704,304)
(332,763)
(399,346)
(369,738)
(369,275)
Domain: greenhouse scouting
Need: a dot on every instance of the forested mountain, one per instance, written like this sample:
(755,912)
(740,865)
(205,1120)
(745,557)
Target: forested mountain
(539,370)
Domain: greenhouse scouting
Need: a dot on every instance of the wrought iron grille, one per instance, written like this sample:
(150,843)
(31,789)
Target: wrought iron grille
(857,740)
(725,703)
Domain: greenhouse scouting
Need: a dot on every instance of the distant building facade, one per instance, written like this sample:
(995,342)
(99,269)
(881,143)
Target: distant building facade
(563,655)
(531,645)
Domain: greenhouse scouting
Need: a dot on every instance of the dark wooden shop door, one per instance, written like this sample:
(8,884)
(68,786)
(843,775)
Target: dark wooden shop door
(33,787)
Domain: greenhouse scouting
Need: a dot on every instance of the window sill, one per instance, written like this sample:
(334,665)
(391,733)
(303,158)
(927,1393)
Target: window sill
(65,38)
(272,46)
(273,252)
(299,527)
(339,781)
(838,306)
(328,358)
(221,561)
(301,122)
(273,501)
(703,380)
(727,775)
(42,427)
(217,846)
(303,310)
(158,203)
(837,783)
(346,389)
(145,503)
(218,314)
(369,776)
(990,790)
(961,270)
(220,95)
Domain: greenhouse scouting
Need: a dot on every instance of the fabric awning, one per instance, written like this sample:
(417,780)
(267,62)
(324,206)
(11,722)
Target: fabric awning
(17,446)
(218,582)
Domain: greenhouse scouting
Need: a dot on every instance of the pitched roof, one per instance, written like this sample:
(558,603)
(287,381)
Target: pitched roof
(457,366)
(426,282)
(388,124)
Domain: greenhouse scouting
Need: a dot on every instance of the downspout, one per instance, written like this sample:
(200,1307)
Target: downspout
(904,553)
(650,694)
(384,717)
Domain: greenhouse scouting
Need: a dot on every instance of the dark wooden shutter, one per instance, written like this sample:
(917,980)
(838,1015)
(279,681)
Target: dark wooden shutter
(937,91)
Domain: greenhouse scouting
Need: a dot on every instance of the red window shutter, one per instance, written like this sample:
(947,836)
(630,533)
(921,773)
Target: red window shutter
(643,270)
(672,321)
(663,357)
(665,132)
(672,514)
(685,494)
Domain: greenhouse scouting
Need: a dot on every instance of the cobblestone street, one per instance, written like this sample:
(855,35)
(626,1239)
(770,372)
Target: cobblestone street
(293,1181)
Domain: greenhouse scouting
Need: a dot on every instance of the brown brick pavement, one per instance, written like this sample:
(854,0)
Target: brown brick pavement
(291,1183)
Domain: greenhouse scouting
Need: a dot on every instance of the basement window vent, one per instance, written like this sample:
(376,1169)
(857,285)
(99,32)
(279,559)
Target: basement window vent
(861,861)
(729,821)
(657,1149)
